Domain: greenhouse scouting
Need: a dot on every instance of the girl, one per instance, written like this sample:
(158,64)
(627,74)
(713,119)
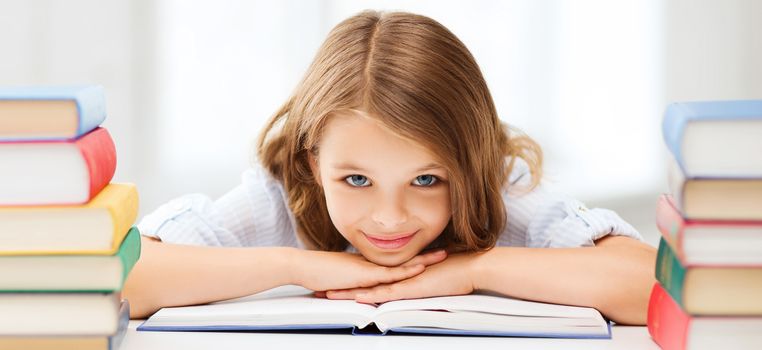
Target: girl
(388,175)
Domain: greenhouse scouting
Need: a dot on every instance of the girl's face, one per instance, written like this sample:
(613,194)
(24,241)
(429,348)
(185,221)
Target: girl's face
(386,195)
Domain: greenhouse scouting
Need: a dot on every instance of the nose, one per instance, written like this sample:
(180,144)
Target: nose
(390,211)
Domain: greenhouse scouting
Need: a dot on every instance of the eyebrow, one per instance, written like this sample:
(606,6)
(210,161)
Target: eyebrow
(352,167)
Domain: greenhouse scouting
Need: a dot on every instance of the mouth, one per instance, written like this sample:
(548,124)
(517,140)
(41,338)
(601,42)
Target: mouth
(395,241)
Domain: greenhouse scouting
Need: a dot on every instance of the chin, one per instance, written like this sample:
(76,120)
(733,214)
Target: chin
(388,260)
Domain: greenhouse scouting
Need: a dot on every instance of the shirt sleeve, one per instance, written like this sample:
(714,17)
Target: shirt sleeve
(254,213)
(541,218)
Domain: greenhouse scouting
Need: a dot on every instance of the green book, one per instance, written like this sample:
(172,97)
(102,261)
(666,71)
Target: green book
(710,290)
(70,273)
(669,271)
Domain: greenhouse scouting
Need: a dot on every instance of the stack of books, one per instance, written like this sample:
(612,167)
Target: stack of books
(66,236)
(709,264)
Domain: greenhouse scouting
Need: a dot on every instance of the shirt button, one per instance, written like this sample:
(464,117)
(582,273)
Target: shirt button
(181,205)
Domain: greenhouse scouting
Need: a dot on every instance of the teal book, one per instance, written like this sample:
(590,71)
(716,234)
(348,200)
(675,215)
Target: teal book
(715,139)
(710,290)
(70,273)
(50,113)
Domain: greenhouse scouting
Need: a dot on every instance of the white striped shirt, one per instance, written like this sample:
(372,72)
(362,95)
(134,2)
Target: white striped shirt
(256,214)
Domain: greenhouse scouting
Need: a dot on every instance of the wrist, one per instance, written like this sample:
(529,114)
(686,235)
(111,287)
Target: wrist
(292,258)
(479,269)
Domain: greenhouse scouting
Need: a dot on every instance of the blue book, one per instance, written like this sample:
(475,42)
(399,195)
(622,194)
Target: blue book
(38,113)
(295,309)
(715,139)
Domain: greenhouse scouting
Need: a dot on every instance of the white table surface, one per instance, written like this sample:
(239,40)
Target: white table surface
(623,337)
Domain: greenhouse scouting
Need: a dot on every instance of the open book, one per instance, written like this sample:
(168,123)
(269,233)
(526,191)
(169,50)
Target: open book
(294,308)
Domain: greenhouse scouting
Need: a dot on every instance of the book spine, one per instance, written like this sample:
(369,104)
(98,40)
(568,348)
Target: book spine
(724,110)
(122,325)
(91,105)
(673,129)
(669,272)
(676,181)
(99,152)
(123,210)
(671,224)
(667,323)
(129,253)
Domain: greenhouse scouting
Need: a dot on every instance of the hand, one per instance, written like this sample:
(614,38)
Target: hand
(452,276)
(321,271)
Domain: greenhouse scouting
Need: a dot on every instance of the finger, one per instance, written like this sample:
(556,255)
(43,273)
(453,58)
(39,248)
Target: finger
(394,274)
(345,294)
(409,289)
(427,259)
(319,294)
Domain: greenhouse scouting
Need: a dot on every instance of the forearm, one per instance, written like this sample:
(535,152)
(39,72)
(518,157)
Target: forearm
(613,278)
(175,275)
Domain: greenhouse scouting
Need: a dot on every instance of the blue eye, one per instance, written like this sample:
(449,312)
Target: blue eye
(357,181)
(426,180)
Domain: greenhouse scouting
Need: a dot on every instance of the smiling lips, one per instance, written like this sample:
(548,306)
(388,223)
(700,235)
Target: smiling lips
(390,241)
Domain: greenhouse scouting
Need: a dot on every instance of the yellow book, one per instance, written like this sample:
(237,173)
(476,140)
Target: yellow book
(97,227)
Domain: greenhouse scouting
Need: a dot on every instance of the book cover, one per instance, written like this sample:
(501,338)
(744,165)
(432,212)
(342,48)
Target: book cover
(715,138)
(709,290)
(37,113)
(97,227)
(64,342)
(56,172)
(673,329)
(709,242)
(70,273)
(667,323)
(293,308)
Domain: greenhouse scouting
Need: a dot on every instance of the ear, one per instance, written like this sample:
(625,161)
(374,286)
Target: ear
(313,160)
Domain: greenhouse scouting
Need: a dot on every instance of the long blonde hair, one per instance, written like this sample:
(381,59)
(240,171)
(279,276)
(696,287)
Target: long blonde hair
(417,78)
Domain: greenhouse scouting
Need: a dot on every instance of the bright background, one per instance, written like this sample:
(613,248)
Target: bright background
(190,83)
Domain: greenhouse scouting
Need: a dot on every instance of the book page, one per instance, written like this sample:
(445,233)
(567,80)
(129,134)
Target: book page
(490,314)
(489,322)
(490,304)
(288,305)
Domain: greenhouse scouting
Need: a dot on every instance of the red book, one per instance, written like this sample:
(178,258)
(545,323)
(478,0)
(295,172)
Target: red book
(673,329)
(709,242)
(56,172)
(667,323)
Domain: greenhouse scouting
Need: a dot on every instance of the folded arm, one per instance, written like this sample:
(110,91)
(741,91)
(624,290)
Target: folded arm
(615,277)
(176,275)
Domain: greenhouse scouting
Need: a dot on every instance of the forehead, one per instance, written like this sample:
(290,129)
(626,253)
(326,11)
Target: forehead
(360,139)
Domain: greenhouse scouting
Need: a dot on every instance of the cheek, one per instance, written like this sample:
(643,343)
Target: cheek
(433,209)
(345,208)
